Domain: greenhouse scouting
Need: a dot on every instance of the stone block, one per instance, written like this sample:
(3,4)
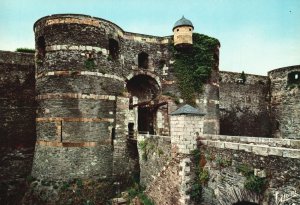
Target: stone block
(260,150)
(64,47)
(211,143)
(277,151)
(295,143)
(220,144)
(231,145)
(204,142)
(215,137)
(291,153)
(73,47)
(245,147)
(260,173)
(89,48)
(82,48)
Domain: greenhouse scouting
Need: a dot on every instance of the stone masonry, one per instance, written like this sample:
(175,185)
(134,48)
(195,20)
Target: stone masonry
(97,86)
(185,129)
(276,161)
(91,88)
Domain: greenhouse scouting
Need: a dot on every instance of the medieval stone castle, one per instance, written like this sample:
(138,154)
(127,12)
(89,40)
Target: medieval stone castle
(92,92)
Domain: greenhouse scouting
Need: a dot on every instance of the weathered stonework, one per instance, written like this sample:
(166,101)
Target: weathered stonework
(285,101)
(17,103)
(269,159)
(17,123)
(96,87)
(154,152)
(244,107)
(178,171)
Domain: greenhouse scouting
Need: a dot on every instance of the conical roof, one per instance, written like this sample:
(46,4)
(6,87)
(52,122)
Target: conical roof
(187,110)
(183,22)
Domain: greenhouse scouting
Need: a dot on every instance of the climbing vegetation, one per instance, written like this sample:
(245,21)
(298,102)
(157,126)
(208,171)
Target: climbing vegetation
(193,67)
(202,176)
(252,182)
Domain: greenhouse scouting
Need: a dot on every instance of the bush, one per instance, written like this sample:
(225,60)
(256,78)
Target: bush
(244,169)
(89,64)
(137,191)
(25,50)
(204,176)
(252,183)
(255,184)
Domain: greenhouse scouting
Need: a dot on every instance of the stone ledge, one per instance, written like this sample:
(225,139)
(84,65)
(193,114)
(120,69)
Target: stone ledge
(72,73)
(263,150)
(72,144)
(67,119)
(273,142)
(70,20)
(77,48)
(75,96)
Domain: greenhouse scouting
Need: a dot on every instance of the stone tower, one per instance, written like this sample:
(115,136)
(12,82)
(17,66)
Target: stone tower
(97,88)
(285,101)
(76,95)
(183,32)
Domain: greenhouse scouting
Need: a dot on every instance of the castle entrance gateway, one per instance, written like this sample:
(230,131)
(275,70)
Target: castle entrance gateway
(144,91)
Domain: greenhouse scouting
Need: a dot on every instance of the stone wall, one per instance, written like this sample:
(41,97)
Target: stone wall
(171,183)
(17,103)
(165,187)
(258,170)
(17,124)
(154,152)
(184,131)
(244,106)
(285,101)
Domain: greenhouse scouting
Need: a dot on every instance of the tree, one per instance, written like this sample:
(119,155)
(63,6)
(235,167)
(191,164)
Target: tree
(243,77)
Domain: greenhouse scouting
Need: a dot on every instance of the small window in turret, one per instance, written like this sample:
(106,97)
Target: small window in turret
(113,47)
(293,78)
(143,60)
(41,47)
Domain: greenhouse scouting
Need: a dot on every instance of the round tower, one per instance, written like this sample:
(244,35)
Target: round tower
(183,32)
(77,91)
(285,101)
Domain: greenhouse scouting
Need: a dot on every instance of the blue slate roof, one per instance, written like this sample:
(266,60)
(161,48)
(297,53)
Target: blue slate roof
(187,110)
(183,22)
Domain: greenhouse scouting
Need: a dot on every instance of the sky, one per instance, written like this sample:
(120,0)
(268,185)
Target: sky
(256,35)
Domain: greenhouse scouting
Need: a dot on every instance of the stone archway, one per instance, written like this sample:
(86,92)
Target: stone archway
(228,194)
(146,90)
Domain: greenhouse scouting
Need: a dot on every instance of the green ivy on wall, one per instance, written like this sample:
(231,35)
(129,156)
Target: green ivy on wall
(193,67)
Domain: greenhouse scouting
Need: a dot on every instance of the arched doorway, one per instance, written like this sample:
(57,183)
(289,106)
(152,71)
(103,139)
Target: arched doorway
(146,89)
